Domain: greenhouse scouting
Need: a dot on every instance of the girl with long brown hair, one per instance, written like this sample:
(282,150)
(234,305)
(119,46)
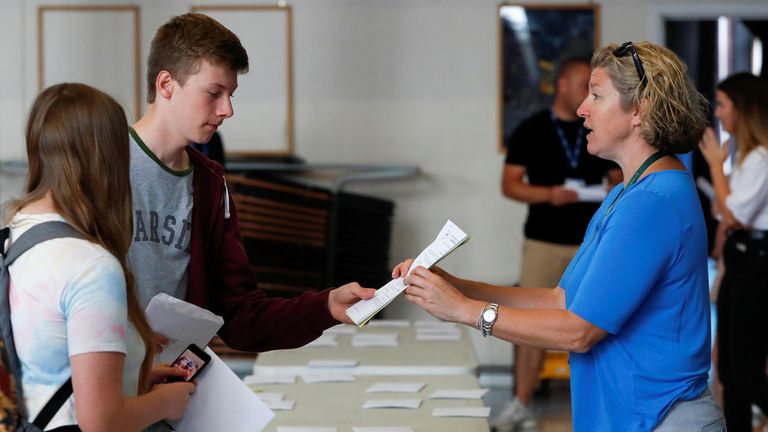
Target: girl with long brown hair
(741,106)
(74,308)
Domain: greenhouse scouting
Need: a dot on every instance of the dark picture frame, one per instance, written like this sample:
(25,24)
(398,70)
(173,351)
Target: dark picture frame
(533,40)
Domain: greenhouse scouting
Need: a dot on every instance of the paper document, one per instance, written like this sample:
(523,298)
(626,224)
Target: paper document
(332,363)
(325,340)
(270,396)
(222,402)
(269,379)
(328,377)
(341,329)
(458,394)
(392,403)
(462,412)
(389,323)
(374,340)
(586,193)
(383,429)
(283,405)
(305,429)
(181,322)
(449,238)
(437,337)
(397,387)
(434,324)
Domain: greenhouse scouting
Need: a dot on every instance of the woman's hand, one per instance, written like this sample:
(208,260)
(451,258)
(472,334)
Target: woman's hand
(710,148)
(441,299)
(160,342)
(174,398)
(401,270)
(560,196)
(161,371)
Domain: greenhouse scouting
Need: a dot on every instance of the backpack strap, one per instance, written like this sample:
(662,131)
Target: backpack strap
(37,234)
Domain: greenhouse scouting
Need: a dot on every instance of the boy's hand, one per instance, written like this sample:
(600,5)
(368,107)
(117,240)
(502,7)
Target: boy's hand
(341,298)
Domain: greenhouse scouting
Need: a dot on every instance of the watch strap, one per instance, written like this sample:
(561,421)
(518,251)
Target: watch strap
(486,327)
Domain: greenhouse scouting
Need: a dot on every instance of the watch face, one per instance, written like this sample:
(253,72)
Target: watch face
(489,315)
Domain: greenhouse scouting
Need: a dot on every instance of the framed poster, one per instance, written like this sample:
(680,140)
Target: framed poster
(74,40)
(533,40)
(263,120)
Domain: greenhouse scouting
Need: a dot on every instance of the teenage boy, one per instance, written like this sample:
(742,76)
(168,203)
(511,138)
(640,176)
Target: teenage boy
(186,236)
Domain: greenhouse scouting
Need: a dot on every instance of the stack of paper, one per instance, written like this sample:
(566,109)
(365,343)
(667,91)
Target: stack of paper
(462,412)
(327,377)
(325,340)
(382,429)
(396,387)
(449,238)
(392,403)
(269,379)
(437,331)
(341,329)
(275,401)
(458,394)
(305,429)
(389,323)
(374,340)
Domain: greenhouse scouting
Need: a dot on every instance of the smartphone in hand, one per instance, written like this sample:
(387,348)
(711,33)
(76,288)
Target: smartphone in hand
(192,360)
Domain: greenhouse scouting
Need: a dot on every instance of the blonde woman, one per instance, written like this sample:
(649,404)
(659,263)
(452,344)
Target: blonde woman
(741,105)
(74,308)
(633,305)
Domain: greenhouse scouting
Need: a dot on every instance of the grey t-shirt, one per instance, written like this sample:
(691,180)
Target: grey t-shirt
(162,224)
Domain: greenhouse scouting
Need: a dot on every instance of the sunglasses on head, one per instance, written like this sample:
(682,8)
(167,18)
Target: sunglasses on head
(628,49)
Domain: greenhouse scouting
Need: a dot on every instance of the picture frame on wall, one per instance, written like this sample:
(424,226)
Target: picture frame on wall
(263,124)
(533,41)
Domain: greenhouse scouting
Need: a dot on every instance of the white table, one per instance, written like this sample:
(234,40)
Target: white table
(411,357)
(340,405)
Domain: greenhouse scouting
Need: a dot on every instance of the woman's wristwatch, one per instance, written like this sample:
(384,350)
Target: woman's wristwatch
(487,319)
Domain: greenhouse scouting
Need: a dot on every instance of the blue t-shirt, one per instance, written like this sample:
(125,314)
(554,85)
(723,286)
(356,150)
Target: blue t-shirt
(641,275)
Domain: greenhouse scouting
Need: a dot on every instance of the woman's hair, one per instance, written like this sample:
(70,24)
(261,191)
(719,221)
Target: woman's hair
(749,95)
(673,112)
(78,151)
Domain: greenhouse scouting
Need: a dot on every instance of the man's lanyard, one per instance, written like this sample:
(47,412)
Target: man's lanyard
(571,153)
(644,166)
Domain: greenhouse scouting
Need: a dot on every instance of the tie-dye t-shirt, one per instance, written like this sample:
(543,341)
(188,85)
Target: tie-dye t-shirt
(67,297)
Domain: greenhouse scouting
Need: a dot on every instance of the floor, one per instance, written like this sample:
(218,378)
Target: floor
(552,405)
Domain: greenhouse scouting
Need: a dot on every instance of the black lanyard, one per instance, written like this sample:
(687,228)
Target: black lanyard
(572,154)
(644,166)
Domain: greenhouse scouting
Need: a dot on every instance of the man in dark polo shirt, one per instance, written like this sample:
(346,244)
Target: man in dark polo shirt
(546,151)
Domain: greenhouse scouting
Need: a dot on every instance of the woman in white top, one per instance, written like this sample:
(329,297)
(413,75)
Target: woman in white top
(74,309)
(741,105)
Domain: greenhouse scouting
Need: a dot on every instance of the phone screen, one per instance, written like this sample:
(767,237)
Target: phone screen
(191,361)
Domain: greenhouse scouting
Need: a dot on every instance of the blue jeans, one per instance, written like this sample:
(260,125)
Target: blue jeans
(700,414)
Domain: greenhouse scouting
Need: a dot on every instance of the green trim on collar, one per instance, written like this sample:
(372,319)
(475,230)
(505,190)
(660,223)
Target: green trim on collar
(152,156)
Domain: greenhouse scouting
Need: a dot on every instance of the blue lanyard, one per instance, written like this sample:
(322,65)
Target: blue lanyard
(571,153)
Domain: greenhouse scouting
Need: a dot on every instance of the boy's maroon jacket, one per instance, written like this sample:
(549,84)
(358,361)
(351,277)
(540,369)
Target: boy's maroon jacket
(221,278)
